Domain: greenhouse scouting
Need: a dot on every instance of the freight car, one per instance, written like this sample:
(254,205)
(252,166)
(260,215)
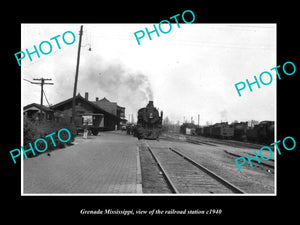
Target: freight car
(93,122)
(149,123)
(262,133)
(240,131)
(222,130)
(218,130)
(207,131)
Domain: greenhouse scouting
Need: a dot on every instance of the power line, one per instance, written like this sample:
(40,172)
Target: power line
(42,83)
(46,98)
(27,80)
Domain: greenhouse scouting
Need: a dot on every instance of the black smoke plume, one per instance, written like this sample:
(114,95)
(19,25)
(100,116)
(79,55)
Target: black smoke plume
(130,89)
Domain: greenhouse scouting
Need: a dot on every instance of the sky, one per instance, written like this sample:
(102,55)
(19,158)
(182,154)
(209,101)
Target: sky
(189,71)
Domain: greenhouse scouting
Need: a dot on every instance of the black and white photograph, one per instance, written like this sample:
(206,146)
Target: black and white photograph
(134,112)
(172,108)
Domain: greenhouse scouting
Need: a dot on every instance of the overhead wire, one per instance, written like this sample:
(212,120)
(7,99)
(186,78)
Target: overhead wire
(46,98)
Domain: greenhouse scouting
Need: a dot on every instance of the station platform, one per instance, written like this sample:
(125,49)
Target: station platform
(103,164)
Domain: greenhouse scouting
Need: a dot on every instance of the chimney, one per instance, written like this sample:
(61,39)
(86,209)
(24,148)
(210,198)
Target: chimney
(97,99)
(86,96)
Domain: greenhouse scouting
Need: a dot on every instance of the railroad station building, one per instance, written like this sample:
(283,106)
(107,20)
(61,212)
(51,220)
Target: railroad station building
(109,119)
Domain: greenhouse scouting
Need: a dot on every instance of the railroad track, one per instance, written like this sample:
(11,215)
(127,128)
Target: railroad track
(184,175)
(197,141)
(269,164)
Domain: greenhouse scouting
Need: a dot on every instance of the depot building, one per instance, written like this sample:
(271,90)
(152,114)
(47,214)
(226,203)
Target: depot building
(110,115)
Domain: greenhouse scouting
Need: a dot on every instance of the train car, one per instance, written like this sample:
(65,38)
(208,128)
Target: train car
(149,123)
(93,122)
(207,131)
(222,130)
(262,133)
(240,130)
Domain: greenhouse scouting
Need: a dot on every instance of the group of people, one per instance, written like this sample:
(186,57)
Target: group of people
(130,129)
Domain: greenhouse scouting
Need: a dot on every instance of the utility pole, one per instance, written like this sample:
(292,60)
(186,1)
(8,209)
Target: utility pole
(42,89)
(76,76)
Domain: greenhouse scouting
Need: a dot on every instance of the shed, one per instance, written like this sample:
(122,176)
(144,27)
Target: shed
(36,111)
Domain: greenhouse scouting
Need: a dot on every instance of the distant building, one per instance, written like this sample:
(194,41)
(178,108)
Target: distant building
(35,111)
(112,107)
(188,128)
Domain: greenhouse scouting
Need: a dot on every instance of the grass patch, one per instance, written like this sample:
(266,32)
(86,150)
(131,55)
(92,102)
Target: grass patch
(34,130)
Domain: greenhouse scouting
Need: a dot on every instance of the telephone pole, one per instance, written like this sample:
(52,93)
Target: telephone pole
(76,76)
(42,83)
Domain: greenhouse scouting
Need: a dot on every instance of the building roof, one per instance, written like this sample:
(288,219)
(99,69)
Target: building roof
(109,106)
(38,106)
(266,121)
(105,100)
(98,108)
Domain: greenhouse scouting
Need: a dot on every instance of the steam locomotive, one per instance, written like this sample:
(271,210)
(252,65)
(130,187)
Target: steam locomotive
(149,123)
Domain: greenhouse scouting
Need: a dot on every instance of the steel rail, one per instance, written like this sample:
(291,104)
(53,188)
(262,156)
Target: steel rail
(165,174)
(196,141)
(265,164)
(210,173)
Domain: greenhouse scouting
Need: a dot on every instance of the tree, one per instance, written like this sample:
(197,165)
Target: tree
(166,121)
(252,123)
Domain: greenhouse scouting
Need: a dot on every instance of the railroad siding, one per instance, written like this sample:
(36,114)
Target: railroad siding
(251,179)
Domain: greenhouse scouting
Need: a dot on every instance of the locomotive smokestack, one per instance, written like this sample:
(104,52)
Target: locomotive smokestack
(150,103)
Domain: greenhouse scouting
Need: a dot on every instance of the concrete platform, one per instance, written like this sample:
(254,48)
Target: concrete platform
(103,164)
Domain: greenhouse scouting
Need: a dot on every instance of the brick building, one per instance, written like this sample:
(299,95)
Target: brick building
(113,108)
(107,118)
